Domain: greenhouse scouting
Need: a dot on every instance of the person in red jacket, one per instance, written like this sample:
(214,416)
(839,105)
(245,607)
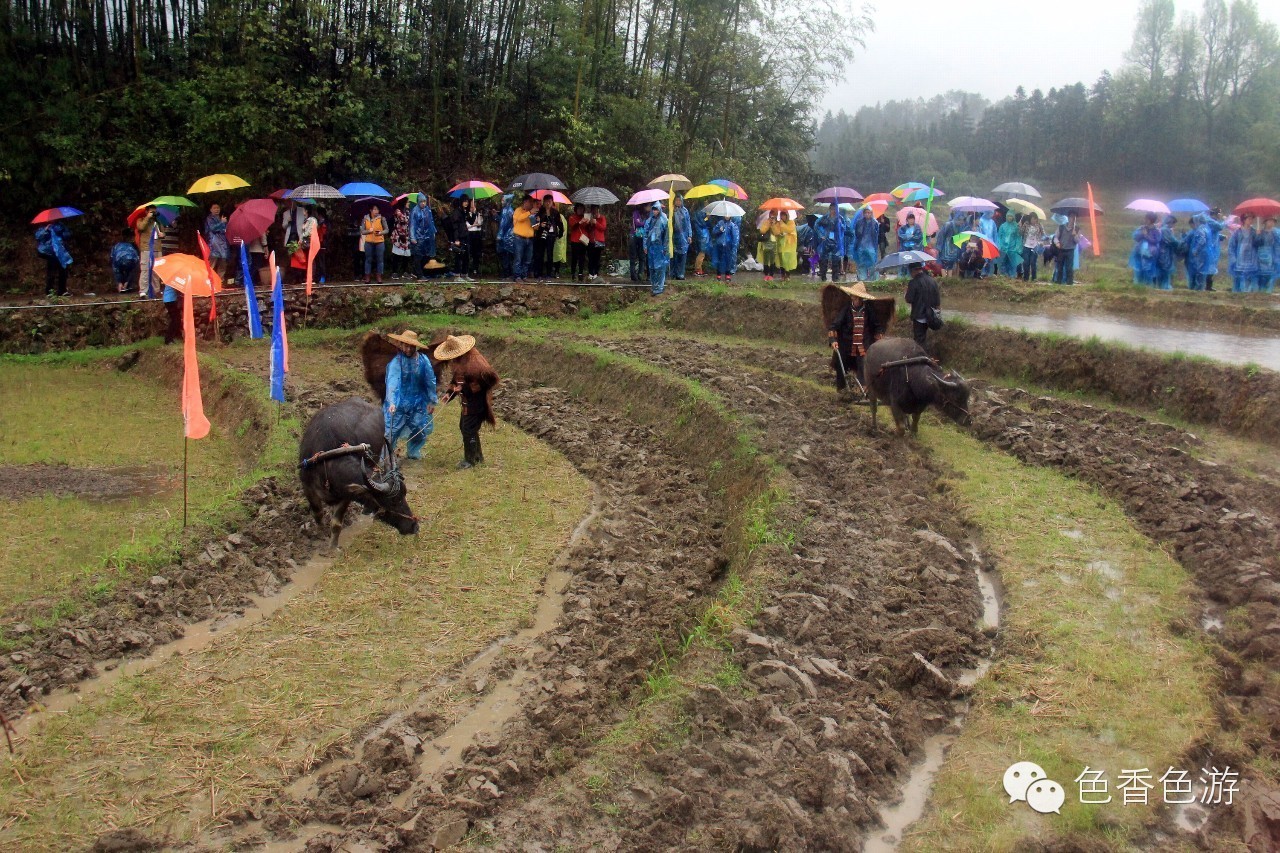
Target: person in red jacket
(595,226)
(579,240)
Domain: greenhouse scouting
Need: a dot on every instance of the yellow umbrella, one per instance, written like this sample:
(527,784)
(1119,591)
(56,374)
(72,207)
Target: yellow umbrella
(213,183)
(1023,206)
(673,184)
(703,191)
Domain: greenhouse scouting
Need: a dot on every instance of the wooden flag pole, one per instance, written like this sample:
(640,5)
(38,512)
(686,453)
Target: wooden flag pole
(185,442)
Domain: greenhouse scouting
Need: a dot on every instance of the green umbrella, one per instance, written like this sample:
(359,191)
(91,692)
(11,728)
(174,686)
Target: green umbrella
(171,201)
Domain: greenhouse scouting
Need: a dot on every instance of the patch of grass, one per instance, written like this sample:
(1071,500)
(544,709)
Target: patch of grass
(1088,672)
(241,716)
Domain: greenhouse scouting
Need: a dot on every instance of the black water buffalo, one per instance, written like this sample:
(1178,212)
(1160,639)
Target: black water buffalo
(912,387)
(370,478)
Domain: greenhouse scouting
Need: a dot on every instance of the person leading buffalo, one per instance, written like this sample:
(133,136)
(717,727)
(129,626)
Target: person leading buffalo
(410,402)
(852,330)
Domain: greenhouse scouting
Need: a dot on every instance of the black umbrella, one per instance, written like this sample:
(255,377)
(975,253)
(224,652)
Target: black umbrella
(360,206)
(537,181)
(594,195)
(1079,206)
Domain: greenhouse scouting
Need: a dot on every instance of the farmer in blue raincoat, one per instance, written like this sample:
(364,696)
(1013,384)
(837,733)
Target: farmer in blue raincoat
(832,237)
(1167,258)
(1268,255)
(682,234)
(1242,256)
(655,245)
(51,244)
(724,241)
(1146,247)
(866,245)
(948,251)
(410,402)
(1214,223)
(422,237)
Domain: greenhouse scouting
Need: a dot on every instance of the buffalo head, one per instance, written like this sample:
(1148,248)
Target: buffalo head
(385,492)
(953,396)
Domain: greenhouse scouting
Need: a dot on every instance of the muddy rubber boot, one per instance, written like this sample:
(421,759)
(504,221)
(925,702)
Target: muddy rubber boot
(379,278)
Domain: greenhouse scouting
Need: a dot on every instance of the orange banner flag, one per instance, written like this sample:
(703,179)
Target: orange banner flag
(195,424)
(271,267)
(312,251)
(1093,221)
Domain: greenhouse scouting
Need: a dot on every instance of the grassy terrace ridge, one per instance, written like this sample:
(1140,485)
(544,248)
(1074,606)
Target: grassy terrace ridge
(75,409)
(232,721)
(1088,671)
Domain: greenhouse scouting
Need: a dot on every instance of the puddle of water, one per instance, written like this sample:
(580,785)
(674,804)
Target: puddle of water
(1106,569)
(915,791)
(1212,622)
(195,637)
(1237,347)
(1072,534)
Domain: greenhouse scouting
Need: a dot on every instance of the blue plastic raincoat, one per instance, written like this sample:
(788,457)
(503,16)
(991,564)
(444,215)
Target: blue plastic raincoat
(411,387)
(1010,247)
(1242,259)
(1142,259)
(724,241)
(655,246)
(866,243)
(910,237)
(51,243)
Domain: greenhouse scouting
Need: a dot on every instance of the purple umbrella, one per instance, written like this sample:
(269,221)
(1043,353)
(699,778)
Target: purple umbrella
(838,194)
(970,204)
(1147,205)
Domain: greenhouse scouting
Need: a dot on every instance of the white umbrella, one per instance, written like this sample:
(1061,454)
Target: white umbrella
(1017,188)
(969,204)
(316,191)
(724,208)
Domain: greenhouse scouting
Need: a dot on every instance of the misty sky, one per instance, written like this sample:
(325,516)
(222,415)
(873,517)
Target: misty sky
(981,51)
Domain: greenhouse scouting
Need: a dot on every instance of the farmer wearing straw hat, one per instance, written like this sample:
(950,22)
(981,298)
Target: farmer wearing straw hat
(472,378)
(852,330)
(410,401)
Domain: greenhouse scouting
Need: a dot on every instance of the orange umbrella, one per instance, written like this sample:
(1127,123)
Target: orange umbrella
(187,274)
(782,204)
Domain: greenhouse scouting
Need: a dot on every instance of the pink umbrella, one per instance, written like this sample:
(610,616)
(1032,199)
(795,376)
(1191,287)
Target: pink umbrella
(556,196)
(648,196)
(1147,205)
(919,213)
(250,220)
(969,204)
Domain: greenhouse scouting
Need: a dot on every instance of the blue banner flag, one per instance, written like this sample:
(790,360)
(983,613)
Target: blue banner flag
(278,366)
(250,297)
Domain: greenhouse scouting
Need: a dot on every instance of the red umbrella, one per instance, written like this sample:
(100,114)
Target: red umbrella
(1262,207)
(250,220)
(53,214)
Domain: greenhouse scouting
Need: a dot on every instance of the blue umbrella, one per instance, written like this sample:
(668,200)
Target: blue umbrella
(1187,205)
(362,188)
(901,259)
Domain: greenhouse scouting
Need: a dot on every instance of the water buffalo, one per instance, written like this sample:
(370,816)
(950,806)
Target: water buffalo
(911,388)
(337,479)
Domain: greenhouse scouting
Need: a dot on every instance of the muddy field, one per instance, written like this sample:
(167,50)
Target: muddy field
(763,618)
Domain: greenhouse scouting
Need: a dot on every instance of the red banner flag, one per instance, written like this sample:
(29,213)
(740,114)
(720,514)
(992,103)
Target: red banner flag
(195,424)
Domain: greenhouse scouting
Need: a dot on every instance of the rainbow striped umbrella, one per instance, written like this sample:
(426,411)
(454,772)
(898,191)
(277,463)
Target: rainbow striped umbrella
(475,189)
(731,189)
(53,214)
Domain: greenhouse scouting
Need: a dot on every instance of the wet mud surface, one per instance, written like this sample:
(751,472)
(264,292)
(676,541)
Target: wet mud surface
(866,623)
(101,484)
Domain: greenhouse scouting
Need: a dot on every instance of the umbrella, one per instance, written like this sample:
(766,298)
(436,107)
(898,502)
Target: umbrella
(53,214)
(877,208)
(724,208)
(187,274)
(704,191)
(648,197)
(838,194)
(250,220)
(886,199)
(921,195)
(909,187)
(1079,206)
(214,183)
(782,204)
(1147,205)
(1017,188)
(731,189)
(281,194)
(970,204)
(672,183)
(920,214)
(1187,205)
(901,259)
(412,197)
(165,213)
(990,251)
(360,206)
(556,196)
(823,207)
(476,189)
(594,195)
(171,201)
(537,181)
(1023,206)
(363,188)
(315,191)
(1258,207)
